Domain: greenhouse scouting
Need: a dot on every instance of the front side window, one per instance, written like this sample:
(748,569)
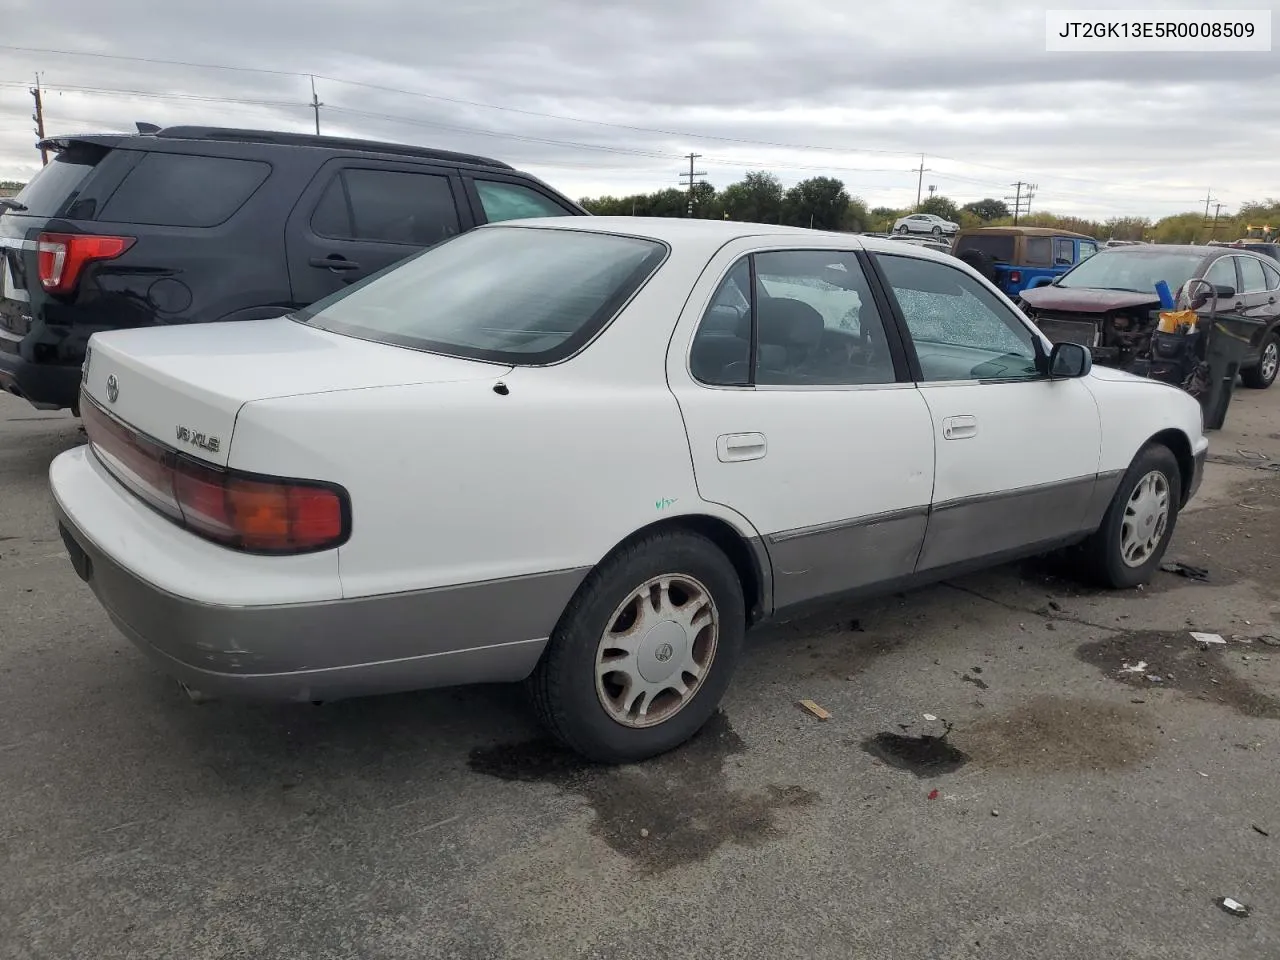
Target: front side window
(1064,252)
(506,294)
(1222,273)
(816,324)
(511,201)
(961,331)
(387,206)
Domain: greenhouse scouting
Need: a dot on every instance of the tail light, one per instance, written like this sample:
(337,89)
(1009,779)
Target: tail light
(1015,276)
(62,256)
(247,512)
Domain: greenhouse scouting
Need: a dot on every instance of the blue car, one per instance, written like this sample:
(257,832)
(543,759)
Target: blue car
(1015,258)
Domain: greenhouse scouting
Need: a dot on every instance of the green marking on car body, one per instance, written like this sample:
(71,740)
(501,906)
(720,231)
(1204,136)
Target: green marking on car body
(664,503)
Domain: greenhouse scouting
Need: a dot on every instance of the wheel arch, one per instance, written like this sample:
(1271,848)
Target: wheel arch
(1179,445)
(747,553)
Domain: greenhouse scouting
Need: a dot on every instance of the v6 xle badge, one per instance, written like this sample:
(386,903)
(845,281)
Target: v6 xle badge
(196,439)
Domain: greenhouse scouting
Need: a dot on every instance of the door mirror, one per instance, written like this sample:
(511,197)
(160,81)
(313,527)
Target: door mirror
(1069,360)
(1224,292)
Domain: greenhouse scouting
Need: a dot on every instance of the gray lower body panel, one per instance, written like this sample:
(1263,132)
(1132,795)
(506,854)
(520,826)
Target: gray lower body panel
(474,633)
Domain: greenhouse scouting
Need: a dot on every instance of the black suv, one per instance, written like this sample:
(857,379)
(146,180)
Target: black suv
(197,224)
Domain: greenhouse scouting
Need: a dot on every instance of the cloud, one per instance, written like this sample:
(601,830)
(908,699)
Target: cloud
(602,96)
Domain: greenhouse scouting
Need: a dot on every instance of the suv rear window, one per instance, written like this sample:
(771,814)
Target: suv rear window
(181,190)
(998,248)
(507,294)
(56,186)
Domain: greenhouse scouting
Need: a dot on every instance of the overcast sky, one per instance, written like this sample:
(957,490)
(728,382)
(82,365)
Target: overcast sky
(602,96)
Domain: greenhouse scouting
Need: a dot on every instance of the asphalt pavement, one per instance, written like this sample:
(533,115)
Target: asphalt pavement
(1075,809)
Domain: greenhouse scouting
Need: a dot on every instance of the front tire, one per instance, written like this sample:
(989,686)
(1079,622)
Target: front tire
(645,650)
(903,230)
(1127,548)
(1264,374)
(937,233)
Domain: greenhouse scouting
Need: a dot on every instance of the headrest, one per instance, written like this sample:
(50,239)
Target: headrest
(789,322)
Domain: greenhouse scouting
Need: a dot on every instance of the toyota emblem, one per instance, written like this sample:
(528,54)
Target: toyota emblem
(113,388)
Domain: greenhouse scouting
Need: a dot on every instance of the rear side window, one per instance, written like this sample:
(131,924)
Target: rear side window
(998,248)
(1039,251)
(1252,279)
(56,186)
(179,190)
(388,206)
(510,201)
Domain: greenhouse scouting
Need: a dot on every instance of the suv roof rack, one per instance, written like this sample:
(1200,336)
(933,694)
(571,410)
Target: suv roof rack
(314,140)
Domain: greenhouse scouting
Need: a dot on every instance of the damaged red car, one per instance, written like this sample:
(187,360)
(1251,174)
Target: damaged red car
(1109,302)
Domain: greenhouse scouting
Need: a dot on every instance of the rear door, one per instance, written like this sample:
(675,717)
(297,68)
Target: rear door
(359,216)
(1256,299)
(495,198)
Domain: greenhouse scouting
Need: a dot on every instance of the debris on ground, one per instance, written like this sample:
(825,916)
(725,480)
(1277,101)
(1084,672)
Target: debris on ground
(995,813)
(930,717)
(1139,667)
(643,832)
(1186,570)
(1253,455)
(1260,830)
(980,684)
(1207,638)
(1055,606)
(816,710)
(1233,907)
(933,794)
(1270,641)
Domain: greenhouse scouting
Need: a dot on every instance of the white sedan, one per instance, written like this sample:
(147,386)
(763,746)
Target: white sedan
(925,223)
(589,455)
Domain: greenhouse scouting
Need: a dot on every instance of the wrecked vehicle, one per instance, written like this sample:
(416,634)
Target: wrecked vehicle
(1014,257)
(1109,302)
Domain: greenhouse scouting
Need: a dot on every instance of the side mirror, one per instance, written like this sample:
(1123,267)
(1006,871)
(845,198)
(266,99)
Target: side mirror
(1224,292)
(1068,361)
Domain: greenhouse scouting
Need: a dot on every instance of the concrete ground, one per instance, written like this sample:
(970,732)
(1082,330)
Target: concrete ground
(1077,810)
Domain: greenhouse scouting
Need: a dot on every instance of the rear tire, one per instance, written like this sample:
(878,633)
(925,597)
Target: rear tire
(903,230)
(662,614)
(937,233)
(1127,548)
(1264,374)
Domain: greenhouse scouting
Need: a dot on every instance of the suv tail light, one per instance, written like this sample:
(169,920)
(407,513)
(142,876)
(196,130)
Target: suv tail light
(247,512)
(1015,276)
(62,256)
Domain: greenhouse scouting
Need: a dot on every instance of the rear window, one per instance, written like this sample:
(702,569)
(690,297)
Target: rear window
(56,186)
(506,294)
(178,190)
(998,248)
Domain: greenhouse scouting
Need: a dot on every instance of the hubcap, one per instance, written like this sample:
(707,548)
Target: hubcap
(1146,516)
(657,650)
(1270,360)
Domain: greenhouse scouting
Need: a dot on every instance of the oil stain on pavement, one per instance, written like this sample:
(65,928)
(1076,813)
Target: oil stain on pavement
(1174,661)
(925,755)
(670,811)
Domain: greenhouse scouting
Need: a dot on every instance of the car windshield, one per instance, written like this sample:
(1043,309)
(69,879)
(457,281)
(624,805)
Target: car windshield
(1126,268)
(509,294)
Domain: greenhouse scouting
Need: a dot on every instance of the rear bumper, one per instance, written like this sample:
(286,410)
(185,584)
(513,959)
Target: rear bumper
(318,650)
(49,386)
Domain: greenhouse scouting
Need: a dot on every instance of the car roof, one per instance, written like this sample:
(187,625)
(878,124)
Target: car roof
(685,232)
(1024,232)
(270,138)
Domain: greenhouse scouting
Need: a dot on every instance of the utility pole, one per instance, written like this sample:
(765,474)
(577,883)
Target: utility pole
(1022,199)
(1213,224)
(38,117)
(920,179)
(315,105)
(693,178)
(1208,199)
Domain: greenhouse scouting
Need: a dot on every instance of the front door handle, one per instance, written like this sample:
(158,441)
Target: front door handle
(959,428)
(733,447)
(335,261)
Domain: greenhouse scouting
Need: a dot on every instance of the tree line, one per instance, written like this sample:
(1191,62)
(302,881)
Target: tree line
(824,203)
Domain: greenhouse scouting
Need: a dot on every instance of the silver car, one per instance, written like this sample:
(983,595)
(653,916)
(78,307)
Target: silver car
(925,223)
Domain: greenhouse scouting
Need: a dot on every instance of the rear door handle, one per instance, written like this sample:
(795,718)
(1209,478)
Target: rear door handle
(335,261)
(732,447)
(959,428)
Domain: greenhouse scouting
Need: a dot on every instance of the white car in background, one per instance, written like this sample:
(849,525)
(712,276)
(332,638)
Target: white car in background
(925,223)
(589,454)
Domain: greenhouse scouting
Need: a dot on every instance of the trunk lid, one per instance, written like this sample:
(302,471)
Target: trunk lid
(184,385)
